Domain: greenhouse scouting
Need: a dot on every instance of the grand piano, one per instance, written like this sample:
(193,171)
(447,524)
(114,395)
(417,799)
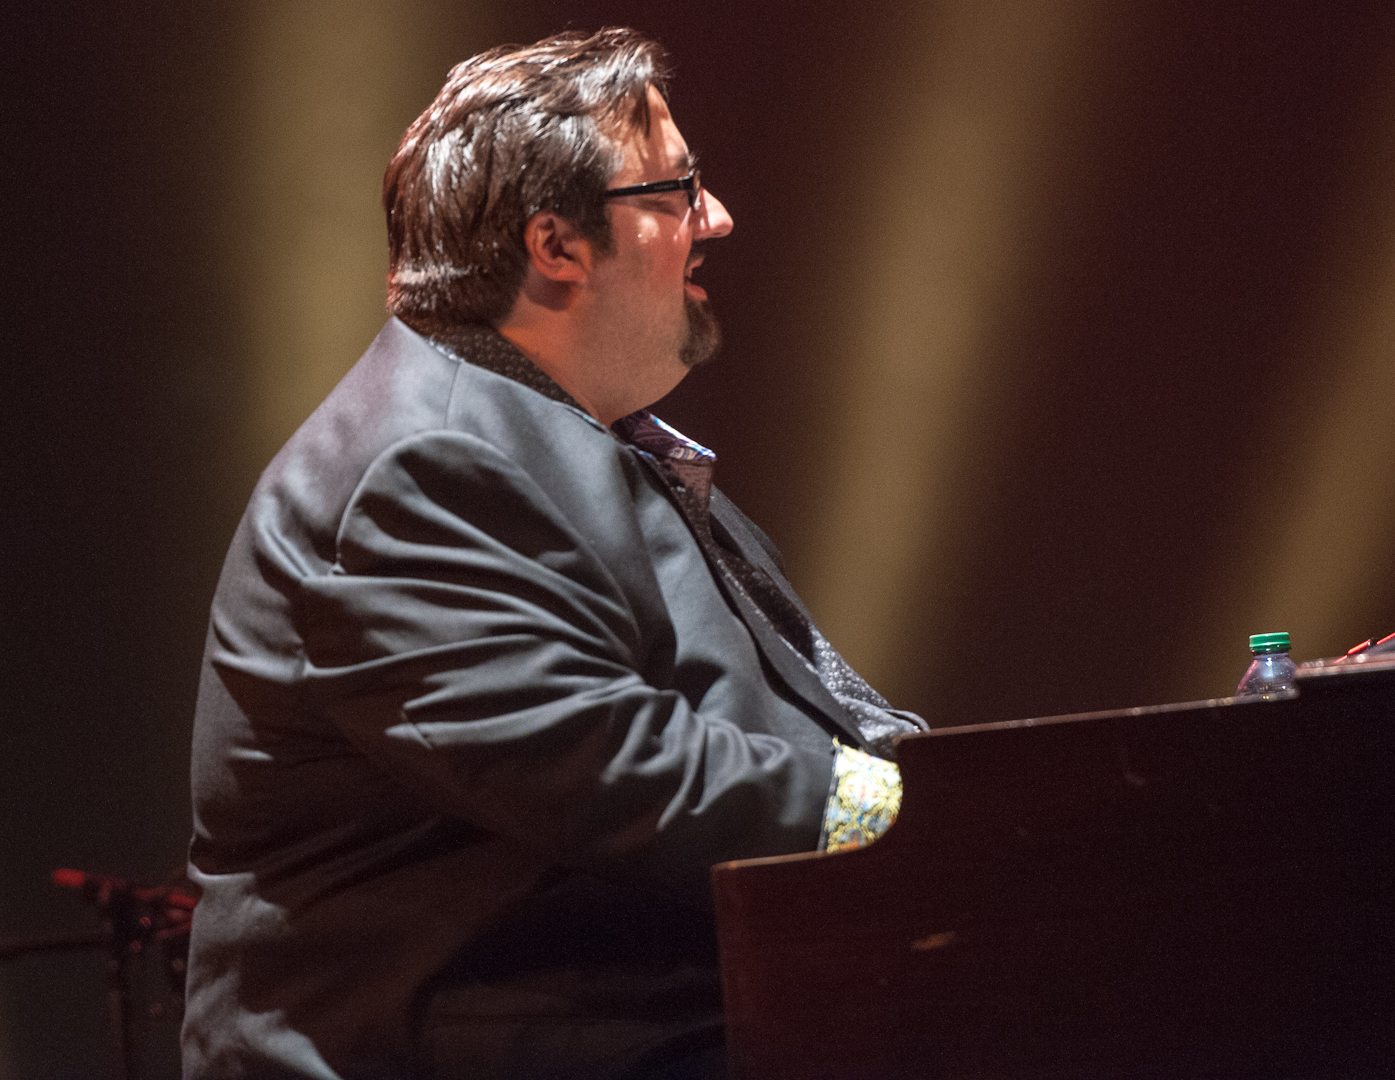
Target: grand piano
(1195,890)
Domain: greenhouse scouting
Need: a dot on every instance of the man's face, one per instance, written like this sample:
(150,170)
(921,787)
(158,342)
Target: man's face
(655,316)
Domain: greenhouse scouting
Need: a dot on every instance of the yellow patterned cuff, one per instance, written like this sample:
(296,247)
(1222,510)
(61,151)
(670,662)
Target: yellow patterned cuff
(864,802)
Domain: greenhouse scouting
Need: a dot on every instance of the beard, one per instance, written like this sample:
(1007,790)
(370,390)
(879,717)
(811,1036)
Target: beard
(704,336)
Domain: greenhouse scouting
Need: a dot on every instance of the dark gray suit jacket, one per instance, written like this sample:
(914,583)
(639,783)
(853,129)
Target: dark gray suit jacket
(476,717)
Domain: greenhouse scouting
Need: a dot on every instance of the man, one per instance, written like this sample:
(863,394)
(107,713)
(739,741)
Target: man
(494,674)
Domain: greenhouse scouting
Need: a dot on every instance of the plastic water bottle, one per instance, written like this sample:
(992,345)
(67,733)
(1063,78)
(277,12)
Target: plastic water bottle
(1271,670)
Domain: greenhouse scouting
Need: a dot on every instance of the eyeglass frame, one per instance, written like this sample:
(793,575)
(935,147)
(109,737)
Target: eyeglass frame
(692,184)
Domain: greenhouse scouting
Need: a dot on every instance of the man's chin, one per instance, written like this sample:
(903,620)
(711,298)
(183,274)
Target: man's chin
(704,334)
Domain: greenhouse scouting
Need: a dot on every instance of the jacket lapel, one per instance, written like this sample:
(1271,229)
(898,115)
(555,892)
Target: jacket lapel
(798,676)
(484,347)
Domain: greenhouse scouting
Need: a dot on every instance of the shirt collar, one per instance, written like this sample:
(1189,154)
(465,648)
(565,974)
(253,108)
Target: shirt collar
(485,347)
(646,431)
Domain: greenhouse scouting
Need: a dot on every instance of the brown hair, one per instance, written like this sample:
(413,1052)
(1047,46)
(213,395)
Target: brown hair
(515,131)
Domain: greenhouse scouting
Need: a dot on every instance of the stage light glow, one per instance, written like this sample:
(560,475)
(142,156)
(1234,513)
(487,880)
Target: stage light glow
(1325,530)
(960,159)
(324,93)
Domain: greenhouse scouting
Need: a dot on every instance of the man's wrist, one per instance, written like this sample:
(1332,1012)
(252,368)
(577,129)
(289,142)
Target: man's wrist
(864,800)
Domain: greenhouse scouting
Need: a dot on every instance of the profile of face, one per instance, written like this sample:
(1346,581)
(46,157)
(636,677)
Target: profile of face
(656,313)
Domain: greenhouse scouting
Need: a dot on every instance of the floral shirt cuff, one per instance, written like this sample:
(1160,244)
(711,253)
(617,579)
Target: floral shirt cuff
(864,801)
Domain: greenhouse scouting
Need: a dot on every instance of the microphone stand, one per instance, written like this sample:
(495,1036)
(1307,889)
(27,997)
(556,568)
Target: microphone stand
(131,917)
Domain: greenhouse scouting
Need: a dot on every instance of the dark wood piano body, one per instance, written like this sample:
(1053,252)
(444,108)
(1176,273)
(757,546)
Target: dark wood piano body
(1186,890)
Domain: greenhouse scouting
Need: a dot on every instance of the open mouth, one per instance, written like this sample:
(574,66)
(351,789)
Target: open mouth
(696,291)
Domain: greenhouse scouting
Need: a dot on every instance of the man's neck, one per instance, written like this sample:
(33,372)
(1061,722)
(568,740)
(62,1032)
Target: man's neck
(563,360)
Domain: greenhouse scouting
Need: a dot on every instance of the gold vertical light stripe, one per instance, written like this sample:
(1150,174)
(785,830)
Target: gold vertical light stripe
(325,93)
(1319,519)
(1315,571)
(1335,546)
(958,163)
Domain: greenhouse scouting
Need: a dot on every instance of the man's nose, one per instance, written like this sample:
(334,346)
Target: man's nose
(712,219)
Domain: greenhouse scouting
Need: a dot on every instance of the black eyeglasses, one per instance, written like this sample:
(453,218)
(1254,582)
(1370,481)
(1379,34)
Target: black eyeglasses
(692,184)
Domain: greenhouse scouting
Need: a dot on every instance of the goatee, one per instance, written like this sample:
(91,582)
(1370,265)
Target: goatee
(704,334)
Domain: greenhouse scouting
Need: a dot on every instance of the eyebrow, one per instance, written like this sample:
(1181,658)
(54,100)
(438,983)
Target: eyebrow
(689,162)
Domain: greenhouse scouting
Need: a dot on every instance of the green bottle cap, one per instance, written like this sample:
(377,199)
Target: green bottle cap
(1267,643)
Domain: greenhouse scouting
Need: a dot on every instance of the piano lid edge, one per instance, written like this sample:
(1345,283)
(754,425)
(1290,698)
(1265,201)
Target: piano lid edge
(772,860)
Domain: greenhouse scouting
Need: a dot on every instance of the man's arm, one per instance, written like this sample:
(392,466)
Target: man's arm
(470,642)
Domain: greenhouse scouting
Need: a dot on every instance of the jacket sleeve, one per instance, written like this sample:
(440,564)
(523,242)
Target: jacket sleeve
(470,642)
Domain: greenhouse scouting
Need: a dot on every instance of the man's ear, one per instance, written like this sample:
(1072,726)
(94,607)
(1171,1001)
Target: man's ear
(556,250)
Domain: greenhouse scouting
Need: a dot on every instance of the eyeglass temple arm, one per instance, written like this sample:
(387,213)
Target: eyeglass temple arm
(683,183)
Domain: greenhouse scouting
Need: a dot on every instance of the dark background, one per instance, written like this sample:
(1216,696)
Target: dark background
(1059,355)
